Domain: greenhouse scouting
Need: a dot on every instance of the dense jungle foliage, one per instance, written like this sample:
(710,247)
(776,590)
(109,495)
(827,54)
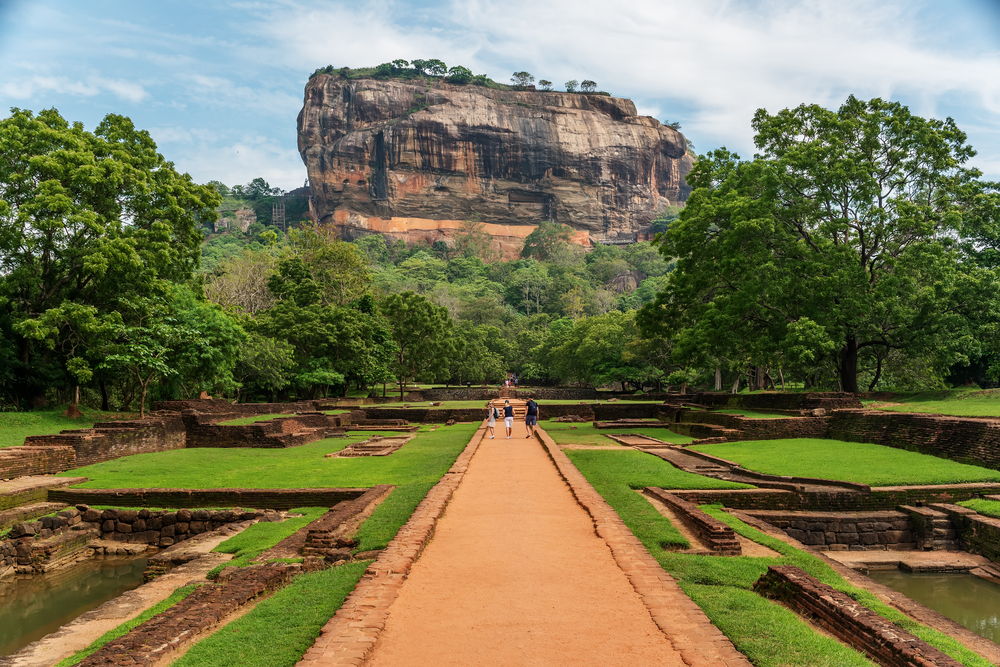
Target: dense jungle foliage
(856,251)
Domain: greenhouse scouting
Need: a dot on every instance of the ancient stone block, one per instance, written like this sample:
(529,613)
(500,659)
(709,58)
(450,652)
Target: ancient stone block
(183,516)
(155,523)
(847,538)
(169,518)
(108,526)
(92,515)
(198,527)
(122,527)
(868,538)
(144,514)
(110,514)
(138,526)
(795,533)
(813,538)
(127,516)
(181,527)
(201,515)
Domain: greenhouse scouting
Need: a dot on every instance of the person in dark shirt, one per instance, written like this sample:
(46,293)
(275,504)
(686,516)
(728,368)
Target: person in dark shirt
(531,417)
(508,417)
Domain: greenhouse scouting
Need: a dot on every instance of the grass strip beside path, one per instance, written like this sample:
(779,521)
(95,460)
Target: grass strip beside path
(767,633)
(616,473)
(862,463)
(125,627)
(281,628)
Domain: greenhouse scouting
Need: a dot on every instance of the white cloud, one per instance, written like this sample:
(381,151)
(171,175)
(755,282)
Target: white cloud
(717,60)
(32,86)
(241,162)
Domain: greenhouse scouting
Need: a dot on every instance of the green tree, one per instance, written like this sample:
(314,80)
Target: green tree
(571,85)
(459,74)
(522,79)
(545,84)
(842,235)
(95,219)
(542,241)
(436,67)
(422,333)
(588,86)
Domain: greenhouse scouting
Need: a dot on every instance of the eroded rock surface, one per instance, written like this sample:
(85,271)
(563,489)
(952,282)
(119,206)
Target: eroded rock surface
(408,158)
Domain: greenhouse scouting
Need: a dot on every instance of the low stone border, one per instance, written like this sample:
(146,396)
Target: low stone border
(158,640)
(684,624)
(849,621)
(716,535)
(31,489)
(276,499)
(350,635)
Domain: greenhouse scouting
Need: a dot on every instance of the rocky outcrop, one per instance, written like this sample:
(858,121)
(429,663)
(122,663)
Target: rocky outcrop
(409,158)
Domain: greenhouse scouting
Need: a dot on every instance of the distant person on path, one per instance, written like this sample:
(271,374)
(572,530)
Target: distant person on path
(531,417)
(515,382)
(491,415)
(508,417)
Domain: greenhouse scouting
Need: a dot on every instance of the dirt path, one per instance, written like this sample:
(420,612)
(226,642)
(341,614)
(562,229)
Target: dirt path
(515,575)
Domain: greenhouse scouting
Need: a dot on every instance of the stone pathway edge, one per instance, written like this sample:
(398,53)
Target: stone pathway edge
(349,637)
(682,622)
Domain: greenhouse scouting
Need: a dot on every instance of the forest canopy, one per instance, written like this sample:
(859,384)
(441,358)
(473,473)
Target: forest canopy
(856,251)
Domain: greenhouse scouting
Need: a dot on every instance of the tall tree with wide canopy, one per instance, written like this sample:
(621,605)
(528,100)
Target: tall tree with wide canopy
(839,239)
(93,218)
(422,333)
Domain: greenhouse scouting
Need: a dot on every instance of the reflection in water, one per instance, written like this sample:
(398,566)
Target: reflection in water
(964,598)
(32,606)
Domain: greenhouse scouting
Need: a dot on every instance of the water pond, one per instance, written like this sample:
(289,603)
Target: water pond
(964,598)
(32,606)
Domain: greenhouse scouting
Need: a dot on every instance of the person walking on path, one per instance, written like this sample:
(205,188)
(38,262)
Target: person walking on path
(508,417)
(531,417)
(491,415)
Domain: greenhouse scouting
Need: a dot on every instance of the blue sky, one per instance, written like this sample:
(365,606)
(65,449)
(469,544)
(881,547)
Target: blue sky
(218,84)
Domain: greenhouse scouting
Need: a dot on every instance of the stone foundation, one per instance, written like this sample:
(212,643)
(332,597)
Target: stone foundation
(203,430)
(843,531)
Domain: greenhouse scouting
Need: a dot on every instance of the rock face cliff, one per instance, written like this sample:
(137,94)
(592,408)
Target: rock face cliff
(411,157)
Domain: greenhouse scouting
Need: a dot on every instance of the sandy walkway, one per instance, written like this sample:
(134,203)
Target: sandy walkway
(515,575)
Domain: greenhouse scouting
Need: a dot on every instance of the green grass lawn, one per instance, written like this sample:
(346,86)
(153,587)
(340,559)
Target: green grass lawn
(954,402)
(414,469)
(767,633)
(261,536)
(16,426)
(425,458)
(563,433)
(847,461)
(983,506)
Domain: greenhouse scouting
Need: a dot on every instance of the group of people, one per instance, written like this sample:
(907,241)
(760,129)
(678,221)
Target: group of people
(511,381)
(530,417)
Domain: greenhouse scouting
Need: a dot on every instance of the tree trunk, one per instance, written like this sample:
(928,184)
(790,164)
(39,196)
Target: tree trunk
(684,387)
(76,395)
(781,374)
(878,373)
(718,378)
(105,406)
(849,366)
(736,384)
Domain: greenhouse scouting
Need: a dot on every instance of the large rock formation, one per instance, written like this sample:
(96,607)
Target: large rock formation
(414,159)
